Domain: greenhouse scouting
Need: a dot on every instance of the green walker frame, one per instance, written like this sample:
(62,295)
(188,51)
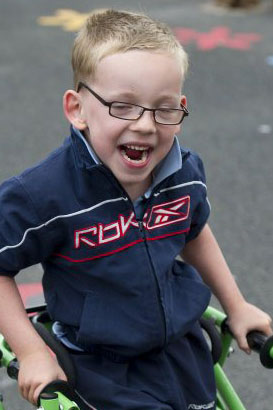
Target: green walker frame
(227,398)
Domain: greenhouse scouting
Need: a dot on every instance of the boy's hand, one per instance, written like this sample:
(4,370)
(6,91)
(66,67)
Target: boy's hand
(36,371)
(246,318)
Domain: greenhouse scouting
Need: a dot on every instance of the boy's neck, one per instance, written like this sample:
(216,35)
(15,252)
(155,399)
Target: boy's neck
(134,191)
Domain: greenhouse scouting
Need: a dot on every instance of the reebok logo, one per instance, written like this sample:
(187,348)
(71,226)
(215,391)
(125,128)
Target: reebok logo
(169,213)
(159,216)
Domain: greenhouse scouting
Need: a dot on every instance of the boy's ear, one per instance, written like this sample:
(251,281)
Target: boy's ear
(184,100)
(73,109)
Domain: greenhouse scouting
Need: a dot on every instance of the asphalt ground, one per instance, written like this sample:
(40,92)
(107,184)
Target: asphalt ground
(229,89)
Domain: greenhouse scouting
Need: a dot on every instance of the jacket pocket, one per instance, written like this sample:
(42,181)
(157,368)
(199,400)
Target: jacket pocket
(186,298)
(124,325)
(60,308)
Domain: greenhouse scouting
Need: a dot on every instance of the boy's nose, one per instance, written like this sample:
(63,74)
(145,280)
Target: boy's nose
(145,124)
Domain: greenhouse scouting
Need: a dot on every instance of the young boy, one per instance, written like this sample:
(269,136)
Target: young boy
(106,215)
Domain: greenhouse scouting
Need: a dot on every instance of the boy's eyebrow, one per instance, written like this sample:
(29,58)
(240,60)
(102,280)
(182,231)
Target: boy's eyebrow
(120,96)
(168,97)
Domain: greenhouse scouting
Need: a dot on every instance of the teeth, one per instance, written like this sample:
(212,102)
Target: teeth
(138,148)
(135,161)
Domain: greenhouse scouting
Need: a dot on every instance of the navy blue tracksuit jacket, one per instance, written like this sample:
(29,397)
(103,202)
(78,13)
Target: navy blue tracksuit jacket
(112,280)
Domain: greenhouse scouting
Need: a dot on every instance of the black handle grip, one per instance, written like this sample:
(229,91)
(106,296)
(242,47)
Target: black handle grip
(49,390)
(259,343)
(256,340)
(13,369)
(60,386)
(262,344)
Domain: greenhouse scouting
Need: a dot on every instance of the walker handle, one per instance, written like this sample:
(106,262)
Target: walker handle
(262,344)
(61,386)
(259,343)
(13,369)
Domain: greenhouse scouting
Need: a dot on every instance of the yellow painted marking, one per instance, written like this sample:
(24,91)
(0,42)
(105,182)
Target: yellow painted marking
(68,19)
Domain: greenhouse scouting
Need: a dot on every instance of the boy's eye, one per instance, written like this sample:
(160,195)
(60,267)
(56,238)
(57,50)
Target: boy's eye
(122,106)
(124,110)
(168,107)
(167,113)
(165,110)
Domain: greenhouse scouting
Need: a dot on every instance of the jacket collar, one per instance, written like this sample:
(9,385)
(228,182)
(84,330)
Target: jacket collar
(168,166)
(80,146)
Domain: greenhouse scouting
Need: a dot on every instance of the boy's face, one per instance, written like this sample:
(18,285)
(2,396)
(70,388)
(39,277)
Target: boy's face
(132,149)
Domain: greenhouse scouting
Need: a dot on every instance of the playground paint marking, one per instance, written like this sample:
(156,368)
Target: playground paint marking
(68,19)
(27,290)
(221,36)
(217,37)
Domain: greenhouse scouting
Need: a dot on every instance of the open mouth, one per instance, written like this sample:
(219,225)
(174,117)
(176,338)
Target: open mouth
(135,154)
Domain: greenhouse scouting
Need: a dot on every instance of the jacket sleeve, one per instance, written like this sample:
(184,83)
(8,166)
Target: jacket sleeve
(201,211)
(23,236)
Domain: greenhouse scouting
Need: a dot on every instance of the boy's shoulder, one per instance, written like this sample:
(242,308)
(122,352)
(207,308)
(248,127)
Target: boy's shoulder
(192,164)
(48,166)
(39,184)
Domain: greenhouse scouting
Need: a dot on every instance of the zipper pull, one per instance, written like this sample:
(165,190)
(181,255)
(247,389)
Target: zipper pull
(140,224)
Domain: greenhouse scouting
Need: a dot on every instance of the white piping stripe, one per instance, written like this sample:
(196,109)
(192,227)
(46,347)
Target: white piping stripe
(180,186)
(88,404)
(59,217)
(208,203)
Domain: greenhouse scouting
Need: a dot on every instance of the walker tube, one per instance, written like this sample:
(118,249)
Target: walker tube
(66,403)
(226,390)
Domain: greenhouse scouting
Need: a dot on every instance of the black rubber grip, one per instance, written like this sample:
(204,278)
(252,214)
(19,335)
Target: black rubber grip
(61,386)
(259,343)
(262,344)
(256,341)
(48,396)
(13,369)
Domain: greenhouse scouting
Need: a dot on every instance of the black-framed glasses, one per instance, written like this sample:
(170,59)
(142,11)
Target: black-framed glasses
(132,112)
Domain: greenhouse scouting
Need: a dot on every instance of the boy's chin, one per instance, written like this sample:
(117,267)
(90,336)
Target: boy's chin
(136,187)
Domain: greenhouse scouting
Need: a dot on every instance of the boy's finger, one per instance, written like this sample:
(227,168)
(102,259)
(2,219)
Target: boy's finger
(36,394)
(24,391)
(243,345)
(31,394)
(269,329)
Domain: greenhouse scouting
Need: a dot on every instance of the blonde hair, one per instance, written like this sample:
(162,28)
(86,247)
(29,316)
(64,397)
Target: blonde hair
(108,32)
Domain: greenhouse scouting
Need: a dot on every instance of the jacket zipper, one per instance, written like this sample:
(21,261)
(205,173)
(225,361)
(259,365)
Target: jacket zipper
(157,287)
(142,232)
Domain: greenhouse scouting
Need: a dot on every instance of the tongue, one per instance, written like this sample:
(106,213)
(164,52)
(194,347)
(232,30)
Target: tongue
(133,153)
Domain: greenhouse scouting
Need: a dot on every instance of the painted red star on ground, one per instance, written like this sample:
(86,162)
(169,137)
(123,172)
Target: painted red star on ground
(220,36)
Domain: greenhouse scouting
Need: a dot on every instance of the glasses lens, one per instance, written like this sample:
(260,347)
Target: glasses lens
(169,116)
(125,110)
